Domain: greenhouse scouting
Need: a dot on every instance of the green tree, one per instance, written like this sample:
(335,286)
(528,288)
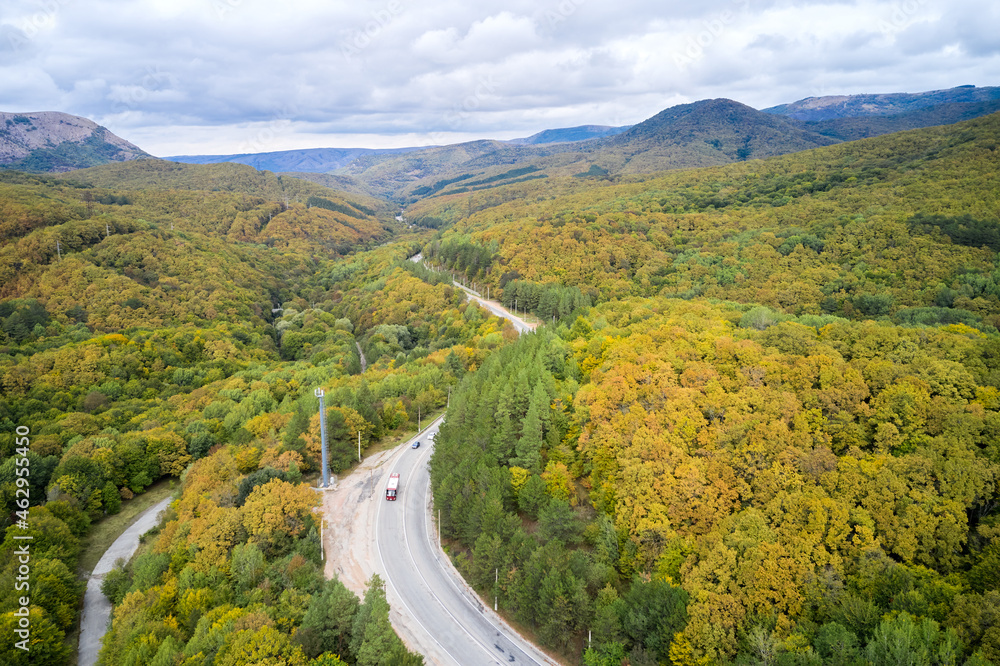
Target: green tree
(373,641)
(836,644)
(111,498)
(45,646)
(529,445)
(911,642)
(329,620)
(533,497)
(247,566)
(117,582)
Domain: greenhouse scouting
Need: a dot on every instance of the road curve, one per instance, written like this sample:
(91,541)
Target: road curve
(421,582)
(493,306)
(499,310)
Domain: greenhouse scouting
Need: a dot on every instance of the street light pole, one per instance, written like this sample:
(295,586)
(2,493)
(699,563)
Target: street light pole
(319,393)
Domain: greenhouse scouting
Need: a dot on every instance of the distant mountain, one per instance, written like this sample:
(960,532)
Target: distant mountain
(325,160)
(570,134)
(53,141)
(309,160)
(889,104)
(706,133)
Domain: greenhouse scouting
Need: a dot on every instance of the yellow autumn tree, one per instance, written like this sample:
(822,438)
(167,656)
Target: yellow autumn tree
(276,512)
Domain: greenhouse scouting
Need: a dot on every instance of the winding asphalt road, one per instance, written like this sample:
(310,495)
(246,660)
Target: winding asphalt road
(493,306)
(422,583)
(96,607)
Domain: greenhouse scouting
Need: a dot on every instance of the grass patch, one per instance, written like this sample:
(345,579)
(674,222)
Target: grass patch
(392,440)
(104,532)
(404,435)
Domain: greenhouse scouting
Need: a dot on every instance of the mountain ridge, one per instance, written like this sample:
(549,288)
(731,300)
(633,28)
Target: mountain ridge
(698,134)
(880,104)
(56,141)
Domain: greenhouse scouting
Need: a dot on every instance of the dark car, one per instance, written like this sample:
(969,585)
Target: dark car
(415,445)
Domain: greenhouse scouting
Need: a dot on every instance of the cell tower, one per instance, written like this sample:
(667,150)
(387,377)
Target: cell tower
(319,393)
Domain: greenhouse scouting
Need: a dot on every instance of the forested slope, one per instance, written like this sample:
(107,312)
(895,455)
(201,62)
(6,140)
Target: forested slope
(761,426)
(177,331)
(904,226)
(696,487)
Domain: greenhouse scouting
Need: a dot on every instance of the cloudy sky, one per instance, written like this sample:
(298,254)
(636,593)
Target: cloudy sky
(233,76)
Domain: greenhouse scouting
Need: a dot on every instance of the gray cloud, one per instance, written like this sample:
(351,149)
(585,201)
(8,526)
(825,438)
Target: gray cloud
(246,72)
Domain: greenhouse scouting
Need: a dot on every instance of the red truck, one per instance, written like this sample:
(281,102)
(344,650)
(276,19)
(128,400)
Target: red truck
(393,488)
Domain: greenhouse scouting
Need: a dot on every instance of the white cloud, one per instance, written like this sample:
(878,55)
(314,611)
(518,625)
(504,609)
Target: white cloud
(221,70)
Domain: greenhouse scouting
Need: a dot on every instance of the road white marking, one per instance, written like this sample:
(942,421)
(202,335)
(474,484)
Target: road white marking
(388,581)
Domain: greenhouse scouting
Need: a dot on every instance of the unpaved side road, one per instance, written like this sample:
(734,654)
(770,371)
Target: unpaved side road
(349,523)
(96,607)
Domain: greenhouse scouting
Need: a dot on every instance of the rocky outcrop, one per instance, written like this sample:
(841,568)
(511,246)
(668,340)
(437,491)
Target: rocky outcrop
(54,141)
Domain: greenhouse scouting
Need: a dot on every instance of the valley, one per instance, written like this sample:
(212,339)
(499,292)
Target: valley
(755,422)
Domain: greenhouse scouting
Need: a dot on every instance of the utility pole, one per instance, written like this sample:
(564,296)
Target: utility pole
(319,393)
(359,446)
(418,419)
(496,581)
(58,249)
(449,397)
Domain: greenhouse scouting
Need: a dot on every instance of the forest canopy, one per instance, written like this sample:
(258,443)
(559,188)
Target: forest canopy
(758,422)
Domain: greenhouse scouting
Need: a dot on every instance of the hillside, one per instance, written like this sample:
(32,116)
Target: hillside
(180,330)
(757,423)
(830,230)
(52,141)
(569,134)
(700,134)
(309,160)
(165,175)
(704,133)
(737,439)
(851,128)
